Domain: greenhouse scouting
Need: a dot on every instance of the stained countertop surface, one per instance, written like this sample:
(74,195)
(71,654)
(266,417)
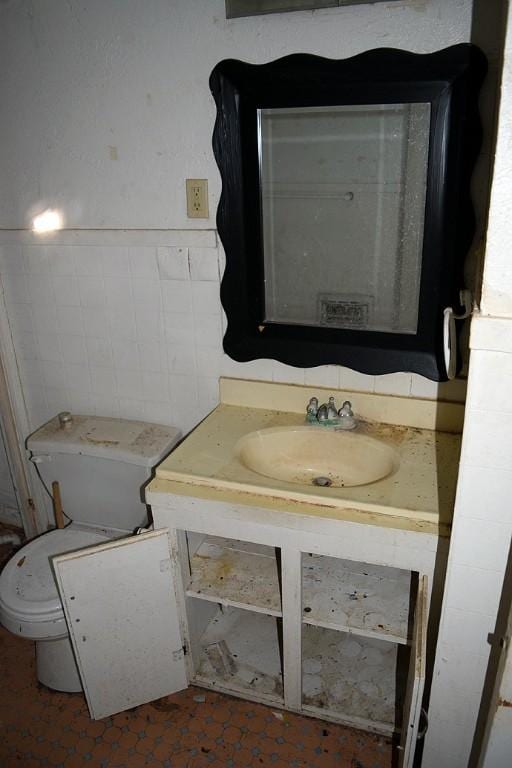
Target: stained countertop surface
(419,495)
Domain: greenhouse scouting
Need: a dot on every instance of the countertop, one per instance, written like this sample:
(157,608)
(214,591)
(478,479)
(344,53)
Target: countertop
(418,496)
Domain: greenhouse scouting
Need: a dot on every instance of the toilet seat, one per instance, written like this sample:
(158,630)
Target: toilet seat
(29,601)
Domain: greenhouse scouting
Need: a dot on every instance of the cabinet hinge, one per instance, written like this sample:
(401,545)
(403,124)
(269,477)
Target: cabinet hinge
(185,649)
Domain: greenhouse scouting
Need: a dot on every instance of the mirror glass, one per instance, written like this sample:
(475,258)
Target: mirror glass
(343,204)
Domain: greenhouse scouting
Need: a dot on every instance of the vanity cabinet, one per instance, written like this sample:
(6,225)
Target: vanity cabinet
(264,617)
(323,617)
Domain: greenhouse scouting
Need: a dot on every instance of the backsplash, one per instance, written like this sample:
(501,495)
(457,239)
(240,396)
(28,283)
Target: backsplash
(134,329)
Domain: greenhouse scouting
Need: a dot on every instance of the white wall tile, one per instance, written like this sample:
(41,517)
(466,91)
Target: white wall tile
(322,376)
(118,292)
(481,543)
(27,346)
(209,361)
(131,408)
(104,404)
(208,392)
(77,377)
(204,264)
(103,381)
(99,352)
(148,322)
(48,347)
(126,355)
(121,323)
(146,292)
(36,259)
(484,494)
(393,384)
(155,386)
(61,260)
(282,372)
(69,320)
(115,263)
(40,289)
(92,292)
(73,348)
(129,383)
(65,290)
(179,327)
(177,296)
(52,372)
(11,259)
(158,412)
(88,261)
(485,592)
(95,321)
(487,440)
(424,388)
(16,287)
(181,359)
(359,382)
(45,318)
(152,355)
(143,262)
(205,298)
(491,372)
(173,263)
(20,317)
(208,331)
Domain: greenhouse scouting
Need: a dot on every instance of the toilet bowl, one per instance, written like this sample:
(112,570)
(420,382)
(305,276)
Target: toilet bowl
(101,465)
(30,605)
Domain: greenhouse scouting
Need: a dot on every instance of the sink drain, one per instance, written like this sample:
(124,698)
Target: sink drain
(324,482)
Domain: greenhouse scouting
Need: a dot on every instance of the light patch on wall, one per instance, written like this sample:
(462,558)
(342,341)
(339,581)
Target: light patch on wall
(48,221)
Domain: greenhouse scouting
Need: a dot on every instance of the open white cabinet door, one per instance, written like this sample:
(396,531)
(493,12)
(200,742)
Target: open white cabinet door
(415,679)
(121,612)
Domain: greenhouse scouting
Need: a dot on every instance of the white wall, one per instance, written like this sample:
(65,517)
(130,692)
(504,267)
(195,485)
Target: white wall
(482,526)
(108,107)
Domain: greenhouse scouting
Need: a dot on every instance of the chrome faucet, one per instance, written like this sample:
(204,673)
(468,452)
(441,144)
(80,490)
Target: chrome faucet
(327,414)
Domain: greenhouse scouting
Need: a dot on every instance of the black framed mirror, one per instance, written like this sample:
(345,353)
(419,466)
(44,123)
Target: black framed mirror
(345,211)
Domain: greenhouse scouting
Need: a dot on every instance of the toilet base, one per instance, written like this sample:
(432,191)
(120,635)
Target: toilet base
(56,665)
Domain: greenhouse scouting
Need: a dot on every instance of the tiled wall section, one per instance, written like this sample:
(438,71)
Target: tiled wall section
(136,331)
(478,556)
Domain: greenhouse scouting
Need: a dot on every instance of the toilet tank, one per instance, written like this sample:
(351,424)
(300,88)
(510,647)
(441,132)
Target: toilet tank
(101,465)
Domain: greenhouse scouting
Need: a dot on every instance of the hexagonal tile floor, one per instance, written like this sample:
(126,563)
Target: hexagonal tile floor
(192,729)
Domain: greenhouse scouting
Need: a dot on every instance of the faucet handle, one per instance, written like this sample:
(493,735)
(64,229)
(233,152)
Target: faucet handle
(332,413)
(312,407)
(346,409)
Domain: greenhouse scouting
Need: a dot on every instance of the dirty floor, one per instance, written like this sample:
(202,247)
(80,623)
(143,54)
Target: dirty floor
(191,729)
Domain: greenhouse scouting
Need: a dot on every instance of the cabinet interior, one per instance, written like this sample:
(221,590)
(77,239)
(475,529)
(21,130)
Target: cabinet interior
(354,623)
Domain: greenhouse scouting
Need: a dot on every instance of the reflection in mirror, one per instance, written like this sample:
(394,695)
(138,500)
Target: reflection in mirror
(343,204)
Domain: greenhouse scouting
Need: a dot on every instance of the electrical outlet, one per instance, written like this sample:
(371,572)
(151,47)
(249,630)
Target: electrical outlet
(197,198)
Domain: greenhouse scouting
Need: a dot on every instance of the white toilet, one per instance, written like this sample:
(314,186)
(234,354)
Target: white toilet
(101,465)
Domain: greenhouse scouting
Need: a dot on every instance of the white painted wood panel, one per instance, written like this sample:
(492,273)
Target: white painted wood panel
(236,573)
(368,600)
(239,652)
(355,677)
(122,616)
(415,679)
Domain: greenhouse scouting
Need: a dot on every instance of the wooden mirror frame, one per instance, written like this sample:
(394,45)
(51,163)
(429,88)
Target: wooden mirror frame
(449,80)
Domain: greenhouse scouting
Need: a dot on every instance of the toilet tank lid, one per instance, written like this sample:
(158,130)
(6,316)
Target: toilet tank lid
(133,442)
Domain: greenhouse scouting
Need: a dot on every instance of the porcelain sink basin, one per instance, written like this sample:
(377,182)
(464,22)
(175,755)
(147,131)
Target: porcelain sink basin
(316,456)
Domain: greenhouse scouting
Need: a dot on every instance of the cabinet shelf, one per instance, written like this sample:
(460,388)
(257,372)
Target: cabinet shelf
(239,653)
(355,680)
(366,600)
(236,573)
